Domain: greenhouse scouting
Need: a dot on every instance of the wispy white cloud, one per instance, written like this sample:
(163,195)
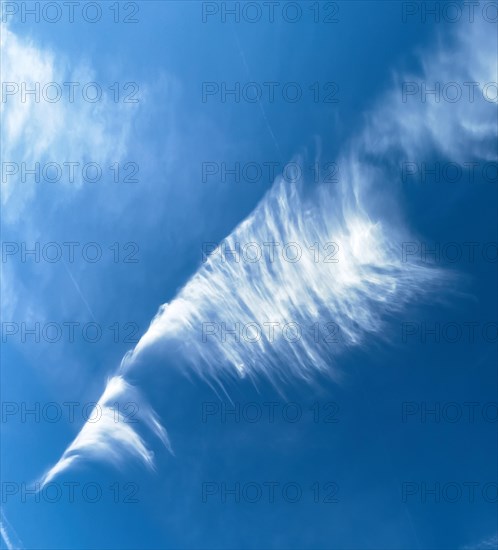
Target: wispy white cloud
(112,432)
(8,534)
(490,543)
(367,281)
(460,129)
(370,280)
(35,130)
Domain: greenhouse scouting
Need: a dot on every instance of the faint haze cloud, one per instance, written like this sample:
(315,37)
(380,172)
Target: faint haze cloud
(490,543)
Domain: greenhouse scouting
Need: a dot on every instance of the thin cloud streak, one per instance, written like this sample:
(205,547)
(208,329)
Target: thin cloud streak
(8,534)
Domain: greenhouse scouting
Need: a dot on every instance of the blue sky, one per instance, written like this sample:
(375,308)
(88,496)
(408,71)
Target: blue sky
(358,466)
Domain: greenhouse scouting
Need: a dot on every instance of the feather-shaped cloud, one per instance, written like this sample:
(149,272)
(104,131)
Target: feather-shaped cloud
(369,281)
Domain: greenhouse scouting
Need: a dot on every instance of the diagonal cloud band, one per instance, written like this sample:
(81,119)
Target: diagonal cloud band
(368,277)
